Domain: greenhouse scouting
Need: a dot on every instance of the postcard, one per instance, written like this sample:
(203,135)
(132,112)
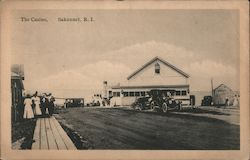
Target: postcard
(125,80)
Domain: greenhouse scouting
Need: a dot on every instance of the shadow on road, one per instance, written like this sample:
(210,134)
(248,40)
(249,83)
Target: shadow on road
(199,110)
(183,116)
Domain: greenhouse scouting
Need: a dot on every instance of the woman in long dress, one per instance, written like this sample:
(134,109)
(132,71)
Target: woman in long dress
(236,101)
(36,100)
(28,112)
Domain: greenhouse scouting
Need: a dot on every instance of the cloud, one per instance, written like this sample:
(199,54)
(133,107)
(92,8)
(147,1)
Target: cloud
(153,48)
(202,72)
(83,80)
(209,68)
(138,54)
(114,66)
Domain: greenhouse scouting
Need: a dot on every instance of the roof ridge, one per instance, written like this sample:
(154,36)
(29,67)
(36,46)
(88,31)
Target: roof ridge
(222,85)
(151,61)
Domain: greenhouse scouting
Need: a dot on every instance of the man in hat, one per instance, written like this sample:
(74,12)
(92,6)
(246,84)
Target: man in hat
(51,105)
(44,104)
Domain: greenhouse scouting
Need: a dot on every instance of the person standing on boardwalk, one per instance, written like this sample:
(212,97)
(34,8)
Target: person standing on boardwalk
(36,100)
(44,103)
(28,112)
(51,105)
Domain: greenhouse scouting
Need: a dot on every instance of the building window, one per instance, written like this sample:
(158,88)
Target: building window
(157,68)
(125,94)
(143,94)
(184,93)
(110,94)
(178,93)
(116,94)
(137,94)
(131,94)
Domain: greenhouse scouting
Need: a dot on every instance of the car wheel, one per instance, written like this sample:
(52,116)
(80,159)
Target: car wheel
(140,107)
(164,108)
(152,105)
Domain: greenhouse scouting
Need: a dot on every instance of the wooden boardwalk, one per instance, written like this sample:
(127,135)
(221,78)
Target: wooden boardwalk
(49,135)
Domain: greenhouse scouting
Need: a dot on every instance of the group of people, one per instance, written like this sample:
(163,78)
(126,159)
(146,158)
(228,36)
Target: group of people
(35,106)
(234,102)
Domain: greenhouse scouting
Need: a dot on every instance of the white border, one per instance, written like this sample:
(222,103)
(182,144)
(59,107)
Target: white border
(7,153)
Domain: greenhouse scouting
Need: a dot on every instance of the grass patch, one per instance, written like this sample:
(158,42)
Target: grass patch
(24,130)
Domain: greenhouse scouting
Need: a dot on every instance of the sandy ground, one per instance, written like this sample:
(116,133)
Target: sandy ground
(228,115)
(123,128)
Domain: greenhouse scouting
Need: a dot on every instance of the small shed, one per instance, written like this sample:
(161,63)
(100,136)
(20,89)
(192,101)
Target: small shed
(222,94)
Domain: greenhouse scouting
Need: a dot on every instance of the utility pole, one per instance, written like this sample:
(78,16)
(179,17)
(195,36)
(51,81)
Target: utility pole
(212,87)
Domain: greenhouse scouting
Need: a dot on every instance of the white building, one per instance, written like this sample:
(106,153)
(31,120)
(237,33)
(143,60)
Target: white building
(155,74)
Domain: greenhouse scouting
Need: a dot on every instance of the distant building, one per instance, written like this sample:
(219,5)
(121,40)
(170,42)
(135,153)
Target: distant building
(155,74)
(17,89)
(222,94)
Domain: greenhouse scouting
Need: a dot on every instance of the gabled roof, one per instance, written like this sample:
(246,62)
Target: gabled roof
(161,60)
(221,85)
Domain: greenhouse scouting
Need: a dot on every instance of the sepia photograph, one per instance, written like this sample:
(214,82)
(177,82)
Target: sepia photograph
(126,79)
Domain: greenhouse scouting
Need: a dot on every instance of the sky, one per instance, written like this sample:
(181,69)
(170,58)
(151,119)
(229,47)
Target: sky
(72,59)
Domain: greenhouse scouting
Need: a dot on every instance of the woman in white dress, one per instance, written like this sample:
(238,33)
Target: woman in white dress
(28,112)
(236,101)
(36,100)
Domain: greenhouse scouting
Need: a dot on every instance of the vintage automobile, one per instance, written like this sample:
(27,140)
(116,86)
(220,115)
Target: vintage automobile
(163,101)
(74,102)
(207,101)
(142,103)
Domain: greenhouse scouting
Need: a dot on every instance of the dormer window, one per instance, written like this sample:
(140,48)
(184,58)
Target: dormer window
(157,68)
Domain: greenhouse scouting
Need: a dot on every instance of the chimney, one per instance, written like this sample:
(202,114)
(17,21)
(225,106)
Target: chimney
(105,89)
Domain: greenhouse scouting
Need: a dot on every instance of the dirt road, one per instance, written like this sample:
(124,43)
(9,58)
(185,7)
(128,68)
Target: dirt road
(119,128)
